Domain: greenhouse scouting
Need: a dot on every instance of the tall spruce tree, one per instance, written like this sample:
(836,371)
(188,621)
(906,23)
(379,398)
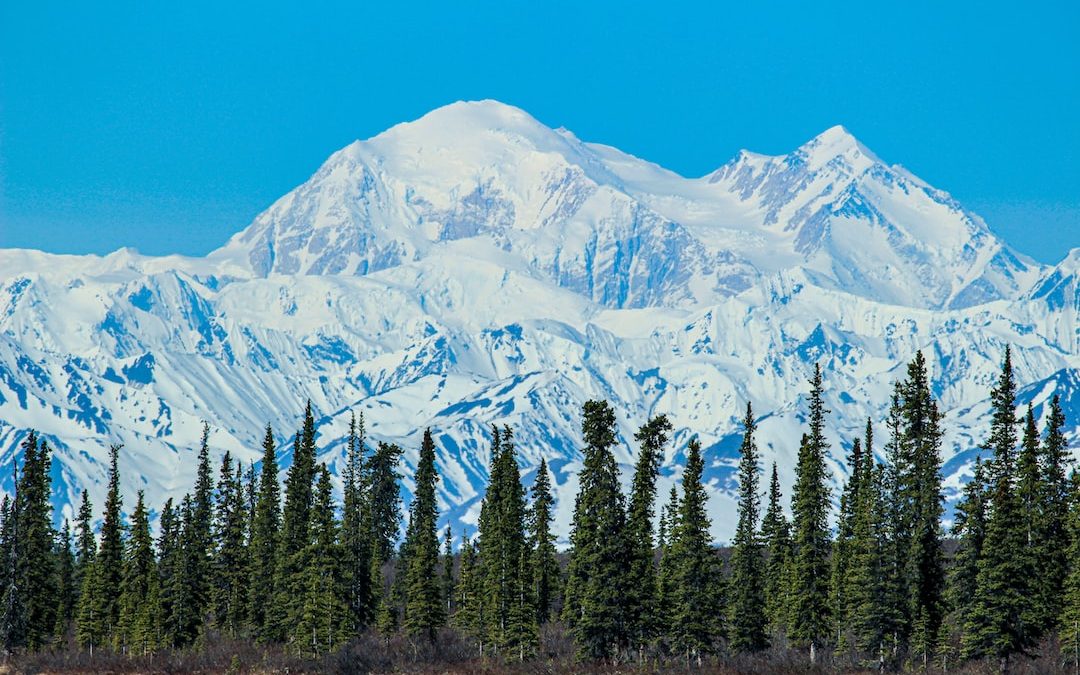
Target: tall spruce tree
(65,581)
(747,617)
(424,611)
(642,622)
(545,566)
(320,624)
(447,589)
(264,539)
(810,508)
(843,545)
(1053,537)
(109,562)
(137,625)
(996,626)
(356,542)
(85,544)
(867,610)
(969,530)
(1069,619)
(202,523)
(776,536)
(230,553)
(665,577)
(697,617)
(595,598)
(34,546)
(13,615)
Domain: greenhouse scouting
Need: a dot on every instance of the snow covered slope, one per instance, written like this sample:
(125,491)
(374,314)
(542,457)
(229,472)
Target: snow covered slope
(476,266)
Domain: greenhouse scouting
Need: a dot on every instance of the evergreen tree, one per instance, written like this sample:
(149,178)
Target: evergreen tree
(321,622)
(924,571)
(34,546)
(642,622)
(776,536)
(136,628)
(697,622)
(545,566)
(810,508)
(181,563)
(424,611)
(867,598)
(448,573)
(264,539)
(747,612)
(65,581)
(1069,619)
(85,544)
(469,617)
(1053,538)
(969,529)
(509,611)
(356,541)
(383,514)
(168,545)
(996,625)
(203,526)
(1029,492)
(230,561)
(843,546)
(109,562)
(13,615)
(594,605)
(665,583)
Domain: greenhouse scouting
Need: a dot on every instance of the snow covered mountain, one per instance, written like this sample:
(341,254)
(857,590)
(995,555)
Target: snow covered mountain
(475,266)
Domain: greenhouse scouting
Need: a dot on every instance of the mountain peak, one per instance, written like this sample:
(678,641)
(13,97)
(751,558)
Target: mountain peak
(834,142)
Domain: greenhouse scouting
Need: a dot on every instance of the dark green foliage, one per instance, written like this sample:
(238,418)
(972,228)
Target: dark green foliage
(202,523)
(545,567)
(969,529)
(447,588)
(137,629)
(322,616)
(810,509)
(263,547)
(509,613)
(996,625)
(469,617)
(776,537)
(65,581)
(384,501)
(12,602)
(230,556)
(34,580)
(108,563)
(1069,619)
(355,540)
(747,616)
(424,610)
(594,608)
(85,544)
(665,578)
(641,599)
(866,599)
(697,612)
(843,545)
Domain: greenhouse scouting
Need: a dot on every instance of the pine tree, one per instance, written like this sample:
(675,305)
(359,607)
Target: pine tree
(810,508)
(109,562)
(897,492)
(424,611)
(996,624)
(65,581)
(85,544)
(665,583)
(843,546)
(264,539)
(135,627)
(594,606)
(545,566)
(1053,533)
(776,536)
(34,545)
(747,612)
(969,529)
(168,545)
(924,571)
(181,563)
(383,514)
(13,615)
(230,554)
(321,623)
(697,622)
(509,612)
(469,617)
(1069,619)
(642,622)
(356,541)
(203,525)
(448,573)
(1029,492)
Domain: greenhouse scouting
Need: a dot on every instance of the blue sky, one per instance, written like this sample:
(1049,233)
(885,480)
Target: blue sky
(169,128)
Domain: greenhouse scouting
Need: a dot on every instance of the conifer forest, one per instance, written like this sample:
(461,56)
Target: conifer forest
(247,574)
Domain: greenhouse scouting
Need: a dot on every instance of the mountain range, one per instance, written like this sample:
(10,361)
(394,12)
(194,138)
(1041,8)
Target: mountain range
(476,267)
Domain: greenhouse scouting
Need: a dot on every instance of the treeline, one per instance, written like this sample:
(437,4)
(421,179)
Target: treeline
(247,557)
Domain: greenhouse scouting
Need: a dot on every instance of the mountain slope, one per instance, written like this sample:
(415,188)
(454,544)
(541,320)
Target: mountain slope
(475,267)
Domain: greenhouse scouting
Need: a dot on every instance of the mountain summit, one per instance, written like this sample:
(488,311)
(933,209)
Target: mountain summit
(476,267)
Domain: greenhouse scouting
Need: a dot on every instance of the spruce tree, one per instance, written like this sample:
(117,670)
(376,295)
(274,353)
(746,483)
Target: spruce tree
(469,617)
(642,622)
(595,599)
(13,615)
(1069,619)
(383,515)
(85,544)
(136,632)
(545,566)
(109,562)
(776,536)
(996,625)
(665,577)
(969,530)
(264,539)
(356,541)
(1053,538)
(230,554)
(1029,492)
(843,545)
(203,525)
(447,589)
(697,617)
(867,601)
(810,509)
(320,624)
(35,544)
(424,611)
(747,612)
(65,582)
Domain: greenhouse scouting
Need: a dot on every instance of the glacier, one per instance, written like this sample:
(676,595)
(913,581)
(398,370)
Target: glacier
(476,267)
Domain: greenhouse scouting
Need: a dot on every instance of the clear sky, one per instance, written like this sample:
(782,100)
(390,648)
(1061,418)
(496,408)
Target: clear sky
(169,126)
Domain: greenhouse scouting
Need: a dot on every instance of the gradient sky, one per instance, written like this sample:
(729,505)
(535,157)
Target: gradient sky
(169,128)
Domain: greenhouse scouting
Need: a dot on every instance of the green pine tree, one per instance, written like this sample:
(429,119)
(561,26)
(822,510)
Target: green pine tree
(810,509)
(641,600)
(35,545)
(65,582)
(424,611)
(109,562)
(135,633)
(776,537)
(264,540)
(594,606)
(749,623)
(321,623)
(447,589)
(230,552)
(1069,619)
(545,566)
(203,526)
(356,541)
(843,545)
